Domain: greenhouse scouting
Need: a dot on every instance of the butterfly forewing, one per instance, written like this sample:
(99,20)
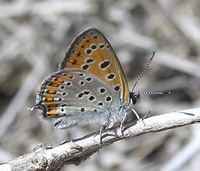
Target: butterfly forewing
(75,97)
(92,52)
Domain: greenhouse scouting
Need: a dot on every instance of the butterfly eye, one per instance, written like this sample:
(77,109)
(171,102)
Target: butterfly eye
(134,97)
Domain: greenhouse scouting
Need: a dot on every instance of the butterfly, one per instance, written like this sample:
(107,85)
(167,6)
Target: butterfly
(89,87)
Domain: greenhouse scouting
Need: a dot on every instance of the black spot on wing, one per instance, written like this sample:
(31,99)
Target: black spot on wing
(105,64)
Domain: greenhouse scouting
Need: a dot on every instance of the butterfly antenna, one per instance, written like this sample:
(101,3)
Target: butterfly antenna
(155,92)
(135,96)
(143,71)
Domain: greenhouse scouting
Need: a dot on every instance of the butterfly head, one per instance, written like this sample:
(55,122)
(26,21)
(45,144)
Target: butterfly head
(134,97)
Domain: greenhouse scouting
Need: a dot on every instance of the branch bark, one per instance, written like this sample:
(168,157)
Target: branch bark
(74,152)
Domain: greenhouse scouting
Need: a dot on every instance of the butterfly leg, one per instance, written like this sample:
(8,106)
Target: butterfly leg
(102,128)
(146,115)
(76,146)
(125,118)
(138,117)
(136,114)
(108,124)
(122,124)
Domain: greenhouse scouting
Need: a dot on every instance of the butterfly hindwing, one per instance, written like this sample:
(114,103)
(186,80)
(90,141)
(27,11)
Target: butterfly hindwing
(75,97)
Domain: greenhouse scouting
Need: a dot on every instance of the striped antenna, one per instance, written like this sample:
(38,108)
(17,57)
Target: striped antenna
(155,92)
(144,69)
(135,96)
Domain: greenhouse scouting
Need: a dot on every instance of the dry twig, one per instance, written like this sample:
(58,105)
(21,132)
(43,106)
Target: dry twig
(76,151)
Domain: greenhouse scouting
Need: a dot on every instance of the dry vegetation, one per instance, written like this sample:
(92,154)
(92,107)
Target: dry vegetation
(34,38)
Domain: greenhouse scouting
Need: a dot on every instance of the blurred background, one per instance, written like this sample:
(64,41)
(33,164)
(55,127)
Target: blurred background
(34,37)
